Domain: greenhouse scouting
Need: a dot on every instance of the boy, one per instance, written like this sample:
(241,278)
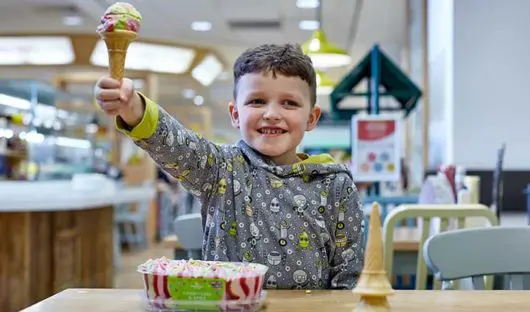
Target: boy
(261,201)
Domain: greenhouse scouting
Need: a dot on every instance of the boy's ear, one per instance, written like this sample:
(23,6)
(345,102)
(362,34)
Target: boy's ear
(234,114)
(314,116)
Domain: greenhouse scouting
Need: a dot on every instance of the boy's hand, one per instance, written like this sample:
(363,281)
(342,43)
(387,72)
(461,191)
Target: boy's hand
(119,99)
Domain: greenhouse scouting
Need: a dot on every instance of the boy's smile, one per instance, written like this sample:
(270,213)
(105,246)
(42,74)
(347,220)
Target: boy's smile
(272,113)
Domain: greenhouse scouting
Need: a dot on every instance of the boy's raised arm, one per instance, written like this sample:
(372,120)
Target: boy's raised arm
(184,154)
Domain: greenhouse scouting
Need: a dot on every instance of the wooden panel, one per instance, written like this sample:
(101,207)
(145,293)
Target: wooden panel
(97,238)
(66,252)
(43,253)
(14,261)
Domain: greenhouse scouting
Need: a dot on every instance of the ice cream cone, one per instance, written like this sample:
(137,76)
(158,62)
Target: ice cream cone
(117,44)
(373,285)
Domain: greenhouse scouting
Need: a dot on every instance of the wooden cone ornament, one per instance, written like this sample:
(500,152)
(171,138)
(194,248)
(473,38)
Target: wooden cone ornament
(373,285)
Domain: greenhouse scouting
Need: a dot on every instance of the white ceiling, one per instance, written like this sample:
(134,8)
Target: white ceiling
(354,25)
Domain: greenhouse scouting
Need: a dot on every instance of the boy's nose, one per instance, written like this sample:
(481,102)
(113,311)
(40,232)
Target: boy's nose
(272,112)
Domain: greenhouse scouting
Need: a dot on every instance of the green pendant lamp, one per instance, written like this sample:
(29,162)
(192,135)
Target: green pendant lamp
(324,83)
(323,53)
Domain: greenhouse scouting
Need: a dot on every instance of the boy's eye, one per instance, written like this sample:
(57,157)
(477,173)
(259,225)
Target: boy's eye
(256,101)
(290,103)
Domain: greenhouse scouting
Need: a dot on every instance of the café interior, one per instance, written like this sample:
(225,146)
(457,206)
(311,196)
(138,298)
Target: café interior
(82,205)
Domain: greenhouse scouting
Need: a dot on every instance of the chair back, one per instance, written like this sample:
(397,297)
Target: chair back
(446,214)
(478,252)
(188,229)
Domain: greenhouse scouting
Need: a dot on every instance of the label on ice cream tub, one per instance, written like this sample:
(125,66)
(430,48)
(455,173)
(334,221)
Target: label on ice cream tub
(196,289)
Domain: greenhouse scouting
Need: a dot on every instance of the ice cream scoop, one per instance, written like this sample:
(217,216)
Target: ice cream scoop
(120,16)
(118,29)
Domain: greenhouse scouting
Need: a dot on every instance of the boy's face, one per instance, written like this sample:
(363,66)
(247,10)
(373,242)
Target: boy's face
(273,114)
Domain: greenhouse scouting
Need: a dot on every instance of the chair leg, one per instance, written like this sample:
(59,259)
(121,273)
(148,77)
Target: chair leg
(129,235)
(140,234)
(117,247)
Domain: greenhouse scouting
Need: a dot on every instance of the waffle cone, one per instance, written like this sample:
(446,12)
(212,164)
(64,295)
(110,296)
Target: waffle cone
(117,44)
(373,280)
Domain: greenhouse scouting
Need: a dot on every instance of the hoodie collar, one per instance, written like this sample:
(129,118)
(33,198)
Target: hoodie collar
(322,164)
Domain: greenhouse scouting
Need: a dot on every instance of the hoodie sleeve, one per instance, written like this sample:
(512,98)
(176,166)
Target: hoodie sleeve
(347,255)
(184,154)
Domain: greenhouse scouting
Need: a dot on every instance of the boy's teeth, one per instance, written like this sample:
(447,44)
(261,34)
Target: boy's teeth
(271,131)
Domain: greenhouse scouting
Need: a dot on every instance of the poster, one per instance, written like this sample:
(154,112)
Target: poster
(376,148)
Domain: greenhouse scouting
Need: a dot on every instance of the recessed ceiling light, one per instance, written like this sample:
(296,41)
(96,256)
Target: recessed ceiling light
(309,25)
(207,70)
(307,4)
(36,50)
(148,56)
(72,20)
(198,100)
(201,26)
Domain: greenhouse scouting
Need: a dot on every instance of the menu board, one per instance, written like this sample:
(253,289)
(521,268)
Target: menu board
(376,148)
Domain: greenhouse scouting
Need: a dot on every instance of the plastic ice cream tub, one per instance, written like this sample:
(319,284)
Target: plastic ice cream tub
(195,285)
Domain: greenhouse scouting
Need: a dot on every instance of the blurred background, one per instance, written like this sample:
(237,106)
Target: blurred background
(449,75)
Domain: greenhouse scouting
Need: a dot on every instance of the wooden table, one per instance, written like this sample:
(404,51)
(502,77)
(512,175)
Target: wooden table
(110,300)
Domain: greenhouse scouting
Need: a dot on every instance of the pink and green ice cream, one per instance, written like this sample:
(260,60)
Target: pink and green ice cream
(120,16)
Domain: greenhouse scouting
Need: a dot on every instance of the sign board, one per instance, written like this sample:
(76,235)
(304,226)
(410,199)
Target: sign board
(376,148)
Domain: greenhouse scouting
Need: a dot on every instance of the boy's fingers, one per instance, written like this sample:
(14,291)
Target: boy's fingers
(110,105)
(108,94)
(109,83)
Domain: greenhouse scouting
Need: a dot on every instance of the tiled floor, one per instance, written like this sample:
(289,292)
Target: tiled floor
(127,277)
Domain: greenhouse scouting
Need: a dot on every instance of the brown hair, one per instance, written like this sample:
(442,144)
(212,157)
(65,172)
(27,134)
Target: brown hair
(286,59)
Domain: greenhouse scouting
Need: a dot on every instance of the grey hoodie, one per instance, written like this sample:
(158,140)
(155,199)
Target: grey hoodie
(304,221)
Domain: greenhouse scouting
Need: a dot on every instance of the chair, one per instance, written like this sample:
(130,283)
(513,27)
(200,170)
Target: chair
(131,224)
(478,252)
(167,213)
(426,213)
(189,232)
(497,187)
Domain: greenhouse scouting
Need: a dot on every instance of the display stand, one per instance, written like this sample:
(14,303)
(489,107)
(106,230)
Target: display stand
(380,73)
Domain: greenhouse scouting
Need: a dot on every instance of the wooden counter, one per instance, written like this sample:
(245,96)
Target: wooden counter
(94,300)
(53,238)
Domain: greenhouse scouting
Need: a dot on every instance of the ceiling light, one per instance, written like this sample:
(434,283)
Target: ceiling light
(309,25)
(148,56)
(198,100)
(323,53)
(207,70)
(72,20)
(307,4)
(36,51)
(201,26)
